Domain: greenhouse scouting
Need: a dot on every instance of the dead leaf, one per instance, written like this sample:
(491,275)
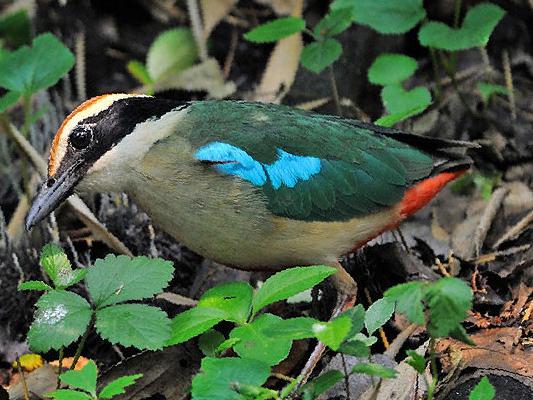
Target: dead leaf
(213,12)
(40,381)
(67,363)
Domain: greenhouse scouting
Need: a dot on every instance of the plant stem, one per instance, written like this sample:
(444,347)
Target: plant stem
(433,364)
(82,342)
(60,366)
(436,73)
(27,115)
(335,91)
(346,377)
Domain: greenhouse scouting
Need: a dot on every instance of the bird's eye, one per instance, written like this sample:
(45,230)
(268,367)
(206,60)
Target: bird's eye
(81,137)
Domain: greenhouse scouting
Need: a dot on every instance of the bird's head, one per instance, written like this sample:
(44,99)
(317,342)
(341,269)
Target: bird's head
(91,142)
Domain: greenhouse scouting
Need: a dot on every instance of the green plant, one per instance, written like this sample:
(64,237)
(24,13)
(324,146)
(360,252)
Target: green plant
(85,381)
(63,316)
(483,390)
(173,51)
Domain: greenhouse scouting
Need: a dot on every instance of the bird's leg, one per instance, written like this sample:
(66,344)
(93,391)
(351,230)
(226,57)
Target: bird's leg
(346,295)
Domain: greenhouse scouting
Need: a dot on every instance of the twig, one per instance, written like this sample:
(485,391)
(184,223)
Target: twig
(346,377)
(197,28)
(487,217)
(515,230)
(228,62)
(509,82)
(399,340)
(23,377)
(334,90)
(81,86)
(486,258)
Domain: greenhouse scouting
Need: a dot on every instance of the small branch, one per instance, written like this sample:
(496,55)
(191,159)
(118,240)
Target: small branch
(23,377)
(515,230)
(197,28)
(487,217)
(81,87)
(335,91)
(346,377)
(509,82)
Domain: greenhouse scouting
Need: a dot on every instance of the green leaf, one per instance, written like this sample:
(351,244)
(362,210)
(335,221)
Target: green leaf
(54,262)
(384,16)
(137,325)
(320,385)
(292,328)
(210,341)
(84,379)
(254,344)
(192,323)
(172,52)
(416,361)
(485,184)
(7,100)
(333,333)
(398,100)
(29,69)
(117,279)
(234,299)
(138,70)
(289,282)
(378,314)
(389,69)
(60,319)
(318,55)
(218,375)
(391,119)
(408,297)
(226,344)
(487,90)
(374,370)
(118,386)
(254,392)
(67,394)
(449,299)
(275,30)
(357,318)
(475,31)
(355,347)
(483,390)
(333,23)
(15,29)
(34,285)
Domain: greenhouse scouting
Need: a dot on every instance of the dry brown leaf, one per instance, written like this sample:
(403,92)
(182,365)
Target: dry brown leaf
(282,65)
(67,363)
(40,381)
(494,349)
(213,12)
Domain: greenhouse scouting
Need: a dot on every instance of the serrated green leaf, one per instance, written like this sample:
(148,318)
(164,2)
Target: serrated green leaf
(171,52)
(29,69)
(118,386)
(354,347)
(218,375)
(374,370)
(378,314)
(475,31)
(137,325)
(254,392)
(15,29)
(34,285)
(273,31)
(487,90)
(416,361)
(210,341)
(289,282)
(333,333)
(55,263)
(333,23)
(398,100)
(226,344)
(357,319)
(448,299)
(234,299)
(292,328)
(320,385)
(67,394)
(483,390)
(391,119)
(193,322)
(117,279)
(384,16)
(256,345)
(318,55)
(7,100)
(389,69)
(84,379)
(408,297)
(60,319)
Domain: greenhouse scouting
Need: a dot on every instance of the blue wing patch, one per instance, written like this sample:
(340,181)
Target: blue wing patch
(287,170)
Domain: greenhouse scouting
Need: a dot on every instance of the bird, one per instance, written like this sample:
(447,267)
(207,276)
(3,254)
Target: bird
(250,185)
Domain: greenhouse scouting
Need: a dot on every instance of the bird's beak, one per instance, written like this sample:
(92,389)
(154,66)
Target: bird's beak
(53,192)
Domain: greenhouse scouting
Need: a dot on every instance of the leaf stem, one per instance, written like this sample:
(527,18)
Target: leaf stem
(335,91)
(436,74)
(434,374)
(81,345)
(60,366)
(27,115)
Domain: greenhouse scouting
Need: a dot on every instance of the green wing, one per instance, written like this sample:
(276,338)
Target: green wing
(309,166)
